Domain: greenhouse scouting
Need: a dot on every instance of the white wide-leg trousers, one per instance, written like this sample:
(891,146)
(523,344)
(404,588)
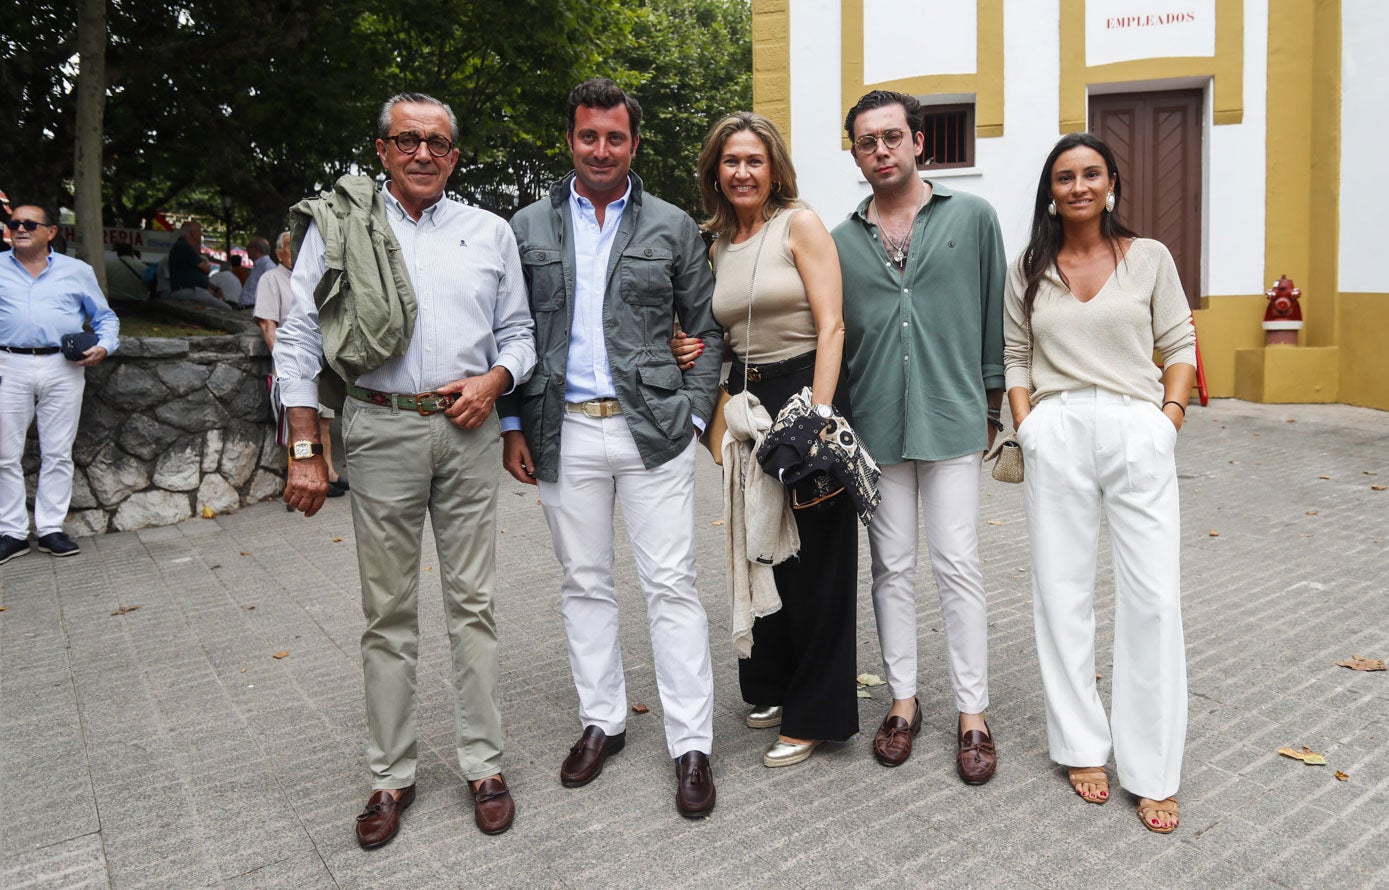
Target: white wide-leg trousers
(599,462)
(1089,453)
(948,492)
(50,386)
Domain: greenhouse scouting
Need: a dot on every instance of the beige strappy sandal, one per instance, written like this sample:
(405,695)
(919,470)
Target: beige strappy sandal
(1090,775)
(1148,810)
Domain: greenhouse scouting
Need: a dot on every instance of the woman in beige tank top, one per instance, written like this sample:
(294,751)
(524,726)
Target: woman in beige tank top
(778,294)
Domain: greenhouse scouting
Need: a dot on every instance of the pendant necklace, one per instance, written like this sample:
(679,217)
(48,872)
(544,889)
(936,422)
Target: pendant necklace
(897,248)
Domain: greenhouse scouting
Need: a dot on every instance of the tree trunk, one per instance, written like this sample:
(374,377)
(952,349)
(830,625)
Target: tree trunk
(91,107)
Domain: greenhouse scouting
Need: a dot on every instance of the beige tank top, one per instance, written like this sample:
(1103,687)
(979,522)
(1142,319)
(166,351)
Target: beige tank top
(782,324)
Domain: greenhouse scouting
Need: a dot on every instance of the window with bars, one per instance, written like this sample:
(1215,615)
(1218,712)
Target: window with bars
(949,131)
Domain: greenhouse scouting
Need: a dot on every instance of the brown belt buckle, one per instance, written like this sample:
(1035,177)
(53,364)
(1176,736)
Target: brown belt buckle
(439,401)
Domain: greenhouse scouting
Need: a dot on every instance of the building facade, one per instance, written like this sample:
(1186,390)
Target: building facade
(1249,135)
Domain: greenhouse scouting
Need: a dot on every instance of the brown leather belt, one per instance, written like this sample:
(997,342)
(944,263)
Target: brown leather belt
(425,403)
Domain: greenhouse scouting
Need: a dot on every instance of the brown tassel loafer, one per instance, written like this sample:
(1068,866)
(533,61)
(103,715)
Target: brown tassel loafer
(893,743)
(493,808)
(380,821)
(585,760)
(694,789)
(977,758)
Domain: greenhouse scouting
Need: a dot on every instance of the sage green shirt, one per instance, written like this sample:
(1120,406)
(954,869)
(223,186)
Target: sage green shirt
(924,345)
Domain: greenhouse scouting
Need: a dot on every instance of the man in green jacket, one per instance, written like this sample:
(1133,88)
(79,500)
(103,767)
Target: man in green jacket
(923,272)
(608,415)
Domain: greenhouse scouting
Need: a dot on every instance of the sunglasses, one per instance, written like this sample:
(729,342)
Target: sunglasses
(29,225)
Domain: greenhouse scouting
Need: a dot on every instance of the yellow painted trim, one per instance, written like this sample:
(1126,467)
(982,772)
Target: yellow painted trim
(1364,319)
(986,84)
(1287,374)
(1226,324)
(771,62)
(1302,147)
(1225,68)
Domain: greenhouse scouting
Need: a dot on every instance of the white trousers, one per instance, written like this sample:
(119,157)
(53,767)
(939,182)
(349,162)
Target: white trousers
(948,492)
(50,386)
(1090,453)
(599,461)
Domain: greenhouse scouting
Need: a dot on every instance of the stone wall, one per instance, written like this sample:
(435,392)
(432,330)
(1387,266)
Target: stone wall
(170,427)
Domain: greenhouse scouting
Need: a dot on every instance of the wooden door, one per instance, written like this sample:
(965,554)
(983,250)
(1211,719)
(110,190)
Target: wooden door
(1156,139)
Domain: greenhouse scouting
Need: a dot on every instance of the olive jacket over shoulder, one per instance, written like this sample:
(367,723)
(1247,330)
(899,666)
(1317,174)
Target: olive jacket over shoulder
(658,273)
(366,306)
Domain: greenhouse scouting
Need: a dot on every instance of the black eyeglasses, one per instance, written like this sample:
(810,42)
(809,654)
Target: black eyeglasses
(29,225)
(866,145)
(409,143)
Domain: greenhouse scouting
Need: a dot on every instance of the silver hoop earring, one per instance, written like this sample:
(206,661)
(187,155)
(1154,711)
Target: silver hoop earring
(1051,209)
(1109,203)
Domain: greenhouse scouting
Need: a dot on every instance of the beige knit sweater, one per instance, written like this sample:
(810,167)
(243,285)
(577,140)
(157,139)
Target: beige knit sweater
(1107,342)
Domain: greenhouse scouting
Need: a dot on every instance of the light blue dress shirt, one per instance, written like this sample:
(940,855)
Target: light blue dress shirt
(588,375)
(37,312)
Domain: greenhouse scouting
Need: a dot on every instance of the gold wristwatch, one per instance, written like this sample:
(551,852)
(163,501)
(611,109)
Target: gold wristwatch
(303,449)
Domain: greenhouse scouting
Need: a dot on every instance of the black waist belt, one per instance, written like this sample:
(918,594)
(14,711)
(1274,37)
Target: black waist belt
(759,372)
(32,350)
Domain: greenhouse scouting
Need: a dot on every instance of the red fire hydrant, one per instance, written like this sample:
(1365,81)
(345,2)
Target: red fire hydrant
(1283,318)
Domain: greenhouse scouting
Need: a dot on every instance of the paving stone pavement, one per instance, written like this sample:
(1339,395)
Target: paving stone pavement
(150,738)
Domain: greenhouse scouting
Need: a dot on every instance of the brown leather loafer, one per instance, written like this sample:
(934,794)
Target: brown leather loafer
(694,785)
(493,808)
(893,743)
(380,821)
(977,759)
(585,760)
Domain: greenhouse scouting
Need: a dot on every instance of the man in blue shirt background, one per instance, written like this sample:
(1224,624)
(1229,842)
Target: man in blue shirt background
(43,295)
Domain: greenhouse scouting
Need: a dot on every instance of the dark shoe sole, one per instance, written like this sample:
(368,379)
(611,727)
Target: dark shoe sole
(574,783)
(14,555)
(695,814)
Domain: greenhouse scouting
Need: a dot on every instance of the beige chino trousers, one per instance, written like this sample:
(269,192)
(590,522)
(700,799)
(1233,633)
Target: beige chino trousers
(404,465)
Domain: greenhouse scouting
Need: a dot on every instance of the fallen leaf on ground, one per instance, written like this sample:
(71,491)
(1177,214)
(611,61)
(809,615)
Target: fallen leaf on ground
(1323,477)
(1376,488)
(1340,776)
(640,709)
(245,553)
(1369,472)
(337,540)
(717,522)
(208,512)
(1213,533)
(1306,755)
(123,609)
(864,693)
(995,522)
(250,608)
(283,653)
(2,608)
(243,670)
(429,568)
(1311,512)
(870,680)
(1358,662)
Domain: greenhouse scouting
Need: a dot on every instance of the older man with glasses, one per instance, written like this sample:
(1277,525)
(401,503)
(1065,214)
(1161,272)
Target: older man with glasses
(43,295)
(420,432)
(924,345)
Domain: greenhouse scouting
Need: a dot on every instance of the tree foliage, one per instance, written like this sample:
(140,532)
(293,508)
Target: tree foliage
(265,101)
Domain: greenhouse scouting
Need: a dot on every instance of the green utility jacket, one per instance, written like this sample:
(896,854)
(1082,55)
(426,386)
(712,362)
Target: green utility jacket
(366,305)
(658,272)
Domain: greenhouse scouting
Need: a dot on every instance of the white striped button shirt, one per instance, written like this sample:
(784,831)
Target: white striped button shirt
(472,313)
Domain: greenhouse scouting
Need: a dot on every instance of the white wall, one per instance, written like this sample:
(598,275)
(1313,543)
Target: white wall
(1364,133)
(1008,167)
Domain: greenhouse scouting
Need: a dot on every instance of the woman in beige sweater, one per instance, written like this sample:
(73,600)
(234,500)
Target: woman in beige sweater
(1087,305)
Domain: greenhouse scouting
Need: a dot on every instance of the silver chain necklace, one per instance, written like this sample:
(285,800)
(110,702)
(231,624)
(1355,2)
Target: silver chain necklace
(897,248)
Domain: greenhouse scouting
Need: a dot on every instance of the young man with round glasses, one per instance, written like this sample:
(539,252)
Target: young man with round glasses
(43,295)
(923,272)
